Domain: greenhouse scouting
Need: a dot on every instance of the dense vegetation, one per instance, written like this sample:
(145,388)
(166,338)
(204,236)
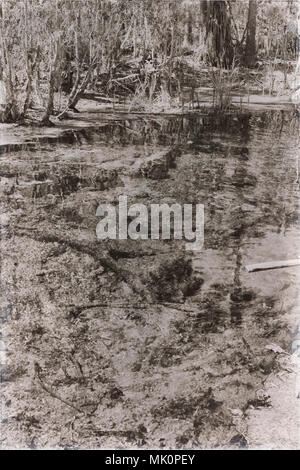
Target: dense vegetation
(54,51)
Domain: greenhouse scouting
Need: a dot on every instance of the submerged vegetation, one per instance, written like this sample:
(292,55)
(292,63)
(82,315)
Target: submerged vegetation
(140,53)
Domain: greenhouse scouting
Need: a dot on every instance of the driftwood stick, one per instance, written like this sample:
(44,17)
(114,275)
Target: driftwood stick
(50,390)
(272,265)
(76,309)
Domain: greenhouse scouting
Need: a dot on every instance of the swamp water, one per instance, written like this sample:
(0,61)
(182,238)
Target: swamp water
(140,343)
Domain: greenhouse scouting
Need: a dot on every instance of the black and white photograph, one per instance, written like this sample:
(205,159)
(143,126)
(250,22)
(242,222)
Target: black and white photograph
(149,227)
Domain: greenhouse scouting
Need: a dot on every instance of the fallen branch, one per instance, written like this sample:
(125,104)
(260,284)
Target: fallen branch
(103,258)
(272,265)
(75,310)
(49,390)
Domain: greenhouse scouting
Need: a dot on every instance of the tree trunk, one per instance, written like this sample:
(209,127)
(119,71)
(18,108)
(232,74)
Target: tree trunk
(218,38)
(50,101)
(78,90)
(250,50)
(53,72)
(30,71)
(9,110)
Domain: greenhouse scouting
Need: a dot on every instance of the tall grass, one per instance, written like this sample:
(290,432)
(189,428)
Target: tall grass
(223,83)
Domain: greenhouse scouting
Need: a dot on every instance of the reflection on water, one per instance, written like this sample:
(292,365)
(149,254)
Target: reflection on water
(136,331)
(242,167)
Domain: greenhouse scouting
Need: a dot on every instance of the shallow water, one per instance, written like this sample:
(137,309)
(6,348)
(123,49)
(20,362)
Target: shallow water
(143,329)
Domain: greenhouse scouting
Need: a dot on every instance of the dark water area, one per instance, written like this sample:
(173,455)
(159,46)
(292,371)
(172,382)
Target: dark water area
(161,325)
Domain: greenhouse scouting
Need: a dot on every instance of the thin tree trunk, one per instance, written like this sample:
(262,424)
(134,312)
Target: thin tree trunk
(250,50)
(50,100)
(77,91)
(10,111)
(31,62)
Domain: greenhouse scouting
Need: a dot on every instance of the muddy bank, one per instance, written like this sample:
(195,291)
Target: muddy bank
(141,343)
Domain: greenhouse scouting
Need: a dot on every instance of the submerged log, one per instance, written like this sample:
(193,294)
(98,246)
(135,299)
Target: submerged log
(272,265)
